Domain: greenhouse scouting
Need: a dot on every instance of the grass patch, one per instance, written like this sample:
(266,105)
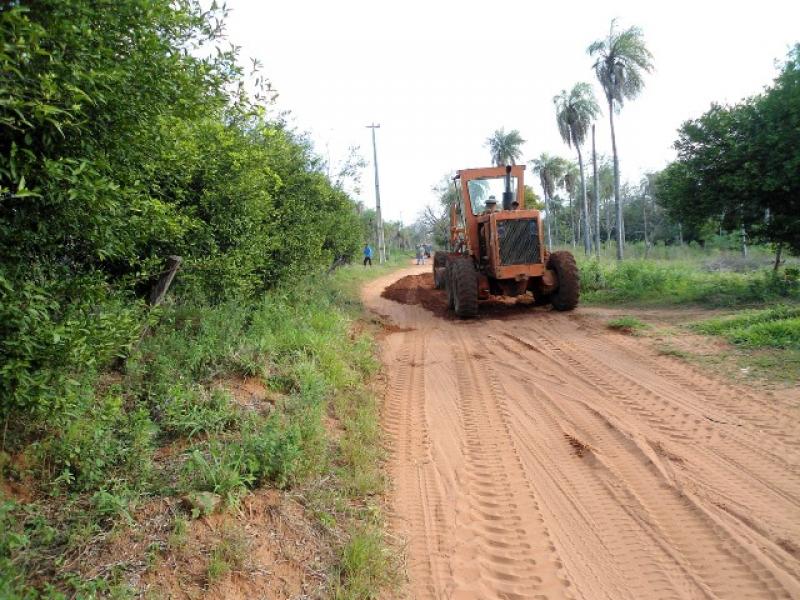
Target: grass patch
(682,282)
(364,567)
(228,555)
(777,327)
(667,349)
(627,324)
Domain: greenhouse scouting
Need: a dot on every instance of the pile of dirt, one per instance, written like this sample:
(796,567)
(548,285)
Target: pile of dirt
(419,289)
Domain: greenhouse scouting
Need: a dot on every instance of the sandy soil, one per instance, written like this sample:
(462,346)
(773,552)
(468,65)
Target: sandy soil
(540,455)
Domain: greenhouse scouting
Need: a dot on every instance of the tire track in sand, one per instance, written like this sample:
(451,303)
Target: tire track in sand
(505,549)
(415,514)
(707,547)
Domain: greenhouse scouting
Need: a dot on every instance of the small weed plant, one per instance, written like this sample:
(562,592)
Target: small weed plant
(626,324)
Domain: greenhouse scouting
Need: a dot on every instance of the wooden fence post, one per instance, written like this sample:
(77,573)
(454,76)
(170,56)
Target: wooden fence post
(160,289)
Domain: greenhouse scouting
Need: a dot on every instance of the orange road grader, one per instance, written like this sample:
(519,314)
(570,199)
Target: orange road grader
(500,250)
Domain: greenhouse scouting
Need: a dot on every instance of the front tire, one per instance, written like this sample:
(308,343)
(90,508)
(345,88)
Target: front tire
(448,281)
(569,286)
(439,270)
(465,293)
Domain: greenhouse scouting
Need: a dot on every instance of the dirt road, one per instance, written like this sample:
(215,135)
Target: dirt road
(542,456)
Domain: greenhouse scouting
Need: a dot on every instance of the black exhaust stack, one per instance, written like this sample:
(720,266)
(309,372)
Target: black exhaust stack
(508,197)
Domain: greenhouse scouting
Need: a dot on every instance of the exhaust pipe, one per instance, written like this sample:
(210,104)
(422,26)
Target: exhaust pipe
(508,197)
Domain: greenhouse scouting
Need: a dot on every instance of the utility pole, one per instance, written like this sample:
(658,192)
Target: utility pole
(381,243)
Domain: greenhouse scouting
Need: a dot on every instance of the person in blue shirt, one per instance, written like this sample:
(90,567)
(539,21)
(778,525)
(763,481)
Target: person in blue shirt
(367,255)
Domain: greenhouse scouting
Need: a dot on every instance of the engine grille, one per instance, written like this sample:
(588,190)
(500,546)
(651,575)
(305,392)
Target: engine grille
(519,241)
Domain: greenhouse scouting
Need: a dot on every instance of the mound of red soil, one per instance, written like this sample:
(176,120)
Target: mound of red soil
(418,289)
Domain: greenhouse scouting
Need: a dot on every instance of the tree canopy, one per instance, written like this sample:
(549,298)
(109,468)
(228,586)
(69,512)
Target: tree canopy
(739,165)
(126,136)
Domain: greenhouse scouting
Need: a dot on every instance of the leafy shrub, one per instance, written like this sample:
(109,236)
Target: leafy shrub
(99,445)
(592,277)
(55,339)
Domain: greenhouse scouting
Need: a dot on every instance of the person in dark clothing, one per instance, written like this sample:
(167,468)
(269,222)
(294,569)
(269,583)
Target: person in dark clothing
(367,255)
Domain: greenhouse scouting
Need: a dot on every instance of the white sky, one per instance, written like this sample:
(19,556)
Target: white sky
(441,76)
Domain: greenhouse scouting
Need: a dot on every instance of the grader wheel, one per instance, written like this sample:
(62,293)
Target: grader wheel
(448,281)
(566,296)
(464,282)
(439,270)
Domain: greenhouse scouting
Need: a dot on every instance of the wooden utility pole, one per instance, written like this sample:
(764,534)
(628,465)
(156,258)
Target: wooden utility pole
(381,243)
(167,275)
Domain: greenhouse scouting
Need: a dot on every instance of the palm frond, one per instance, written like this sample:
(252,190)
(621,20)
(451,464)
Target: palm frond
(505,147)
(621,60)
(575,111)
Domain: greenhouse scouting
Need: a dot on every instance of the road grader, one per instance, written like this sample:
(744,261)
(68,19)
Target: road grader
(500,250)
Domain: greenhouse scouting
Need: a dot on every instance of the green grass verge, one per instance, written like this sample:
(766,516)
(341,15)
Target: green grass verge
(682,282)
(777,327)
(87,467)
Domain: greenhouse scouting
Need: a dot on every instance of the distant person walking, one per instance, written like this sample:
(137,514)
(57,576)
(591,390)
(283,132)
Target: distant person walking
(367,255)
(420,255)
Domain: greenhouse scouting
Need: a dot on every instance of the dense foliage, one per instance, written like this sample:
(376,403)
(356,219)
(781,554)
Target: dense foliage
(738,166)
(125,136)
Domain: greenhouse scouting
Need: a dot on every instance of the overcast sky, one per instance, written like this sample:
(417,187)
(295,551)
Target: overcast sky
(441,76)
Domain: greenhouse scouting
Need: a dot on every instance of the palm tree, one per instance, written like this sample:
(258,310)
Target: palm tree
(622,59)
(551,172)
(575,111)
(505,147)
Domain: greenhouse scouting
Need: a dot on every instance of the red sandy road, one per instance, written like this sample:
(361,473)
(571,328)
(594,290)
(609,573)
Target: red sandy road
(542,456)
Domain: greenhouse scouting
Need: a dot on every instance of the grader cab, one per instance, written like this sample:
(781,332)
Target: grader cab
(497,246)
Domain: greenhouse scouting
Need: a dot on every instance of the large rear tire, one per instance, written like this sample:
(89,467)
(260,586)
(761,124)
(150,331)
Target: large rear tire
(439,270)
(465,293)
(439,278)
(569,285)
(448,280)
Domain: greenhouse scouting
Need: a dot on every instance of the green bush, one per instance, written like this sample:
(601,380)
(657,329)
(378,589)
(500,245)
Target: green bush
(55,337)
(119,148)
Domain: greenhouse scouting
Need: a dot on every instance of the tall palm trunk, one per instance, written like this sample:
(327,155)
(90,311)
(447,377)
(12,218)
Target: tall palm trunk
(572,219)
(587,243)
(617,203)
(549,218)
(596,200)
